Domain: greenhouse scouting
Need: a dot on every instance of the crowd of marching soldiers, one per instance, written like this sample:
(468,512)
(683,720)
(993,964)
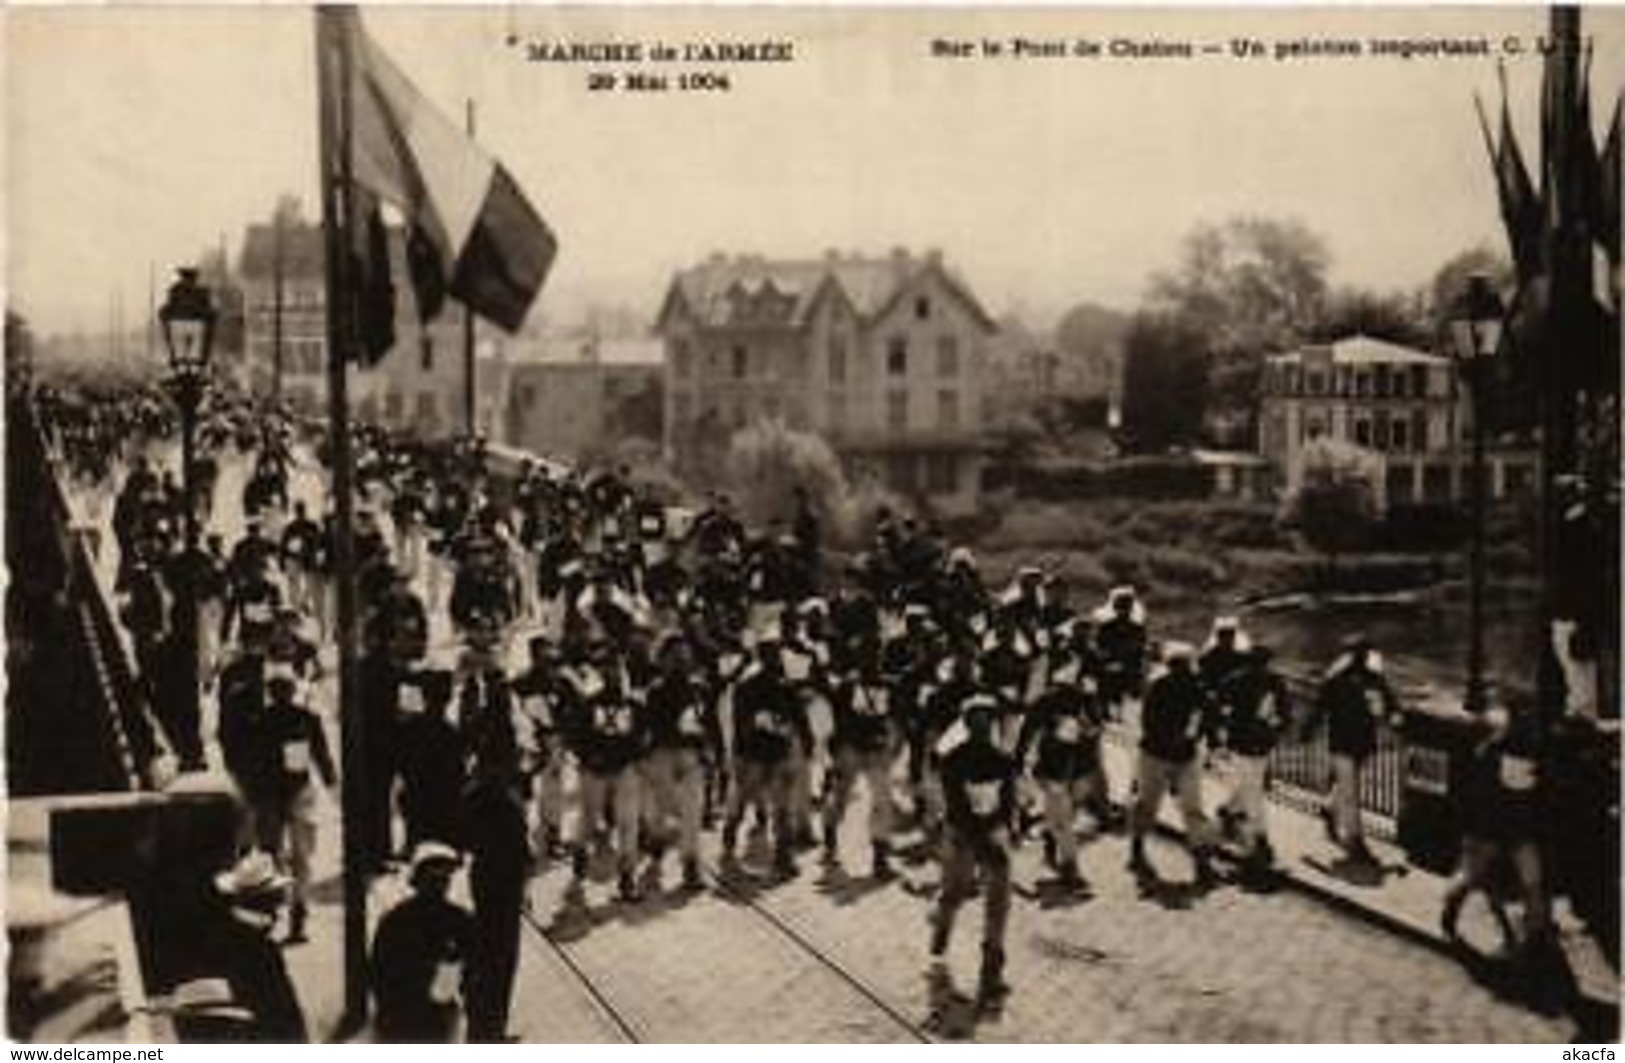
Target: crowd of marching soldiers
(680,672)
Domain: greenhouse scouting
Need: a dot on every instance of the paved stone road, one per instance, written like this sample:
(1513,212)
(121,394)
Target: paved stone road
(1228,967)
(833,958)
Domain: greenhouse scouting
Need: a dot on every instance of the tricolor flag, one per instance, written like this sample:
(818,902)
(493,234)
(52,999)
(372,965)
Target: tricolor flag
(470,231)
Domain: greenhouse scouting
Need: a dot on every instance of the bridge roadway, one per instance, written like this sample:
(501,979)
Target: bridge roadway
(835,957)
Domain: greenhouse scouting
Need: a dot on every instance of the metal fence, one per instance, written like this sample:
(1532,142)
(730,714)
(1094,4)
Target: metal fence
(122,726)
(1301,767)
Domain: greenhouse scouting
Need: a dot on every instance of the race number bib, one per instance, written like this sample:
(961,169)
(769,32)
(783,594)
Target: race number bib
(1374,703)
(411,702)
(1517,773)
(1068,731)
(539,711)
(443,987)
(983,797)
(296,757)
(613,720)
(688,724)
(1269,711)
(797,667)
(769,723)
(869,703)
(257,613)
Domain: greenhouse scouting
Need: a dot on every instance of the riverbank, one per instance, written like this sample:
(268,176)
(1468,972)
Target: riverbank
(1193,561)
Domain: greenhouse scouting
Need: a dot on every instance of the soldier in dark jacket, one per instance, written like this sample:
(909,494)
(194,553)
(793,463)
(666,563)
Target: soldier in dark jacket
(420,954)
(1121,639)
(1355,700)
(979,791)
(1256,709)
(1175,717)
(1065,724)
(1502,808)
(544,704)
(685,741)
(863,745)
(769,717)
(608,736)
(296,733)
(1224,654)
(250,757)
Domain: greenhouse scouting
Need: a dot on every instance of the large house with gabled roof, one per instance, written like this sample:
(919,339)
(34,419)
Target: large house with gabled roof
(882,356)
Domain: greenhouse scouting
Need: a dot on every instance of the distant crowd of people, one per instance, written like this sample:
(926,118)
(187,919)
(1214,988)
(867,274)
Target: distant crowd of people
(626,675)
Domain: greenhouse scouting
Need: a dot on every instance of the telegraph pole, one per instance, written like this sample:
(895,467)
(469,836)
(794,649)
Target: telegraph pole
(334,26)
(276,309)
(470,393)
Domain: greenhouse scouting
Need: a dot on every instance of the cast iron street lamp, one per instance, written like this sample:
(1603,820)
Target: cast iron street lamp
(1475,331)
(188,317)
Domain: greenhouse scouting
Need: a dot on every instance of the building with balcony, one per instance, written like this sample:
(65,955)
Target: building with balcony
(882,356)
(1406,406)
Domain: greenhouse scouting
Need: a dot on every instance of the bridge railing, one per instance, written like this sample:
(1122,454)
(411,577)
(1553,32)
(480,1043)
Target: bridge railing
(112,683)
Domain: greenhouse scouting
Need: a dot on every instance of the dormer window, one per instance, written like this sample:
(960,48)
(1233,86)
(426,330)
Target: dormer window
(922,308)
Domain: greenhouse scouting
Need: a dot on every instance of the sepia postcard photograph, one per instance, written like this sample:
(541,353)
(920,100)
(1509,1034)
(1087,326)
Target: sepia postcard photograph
(811,524)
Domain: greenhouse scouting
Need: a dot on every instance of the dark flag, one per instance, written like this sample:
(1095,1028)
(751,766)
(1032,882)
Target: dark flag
(374,290)
(1520,205)
(471,232)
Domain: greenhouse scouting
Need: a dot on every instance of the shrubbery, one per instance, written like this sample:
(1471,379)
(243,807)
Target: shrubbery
(768,462)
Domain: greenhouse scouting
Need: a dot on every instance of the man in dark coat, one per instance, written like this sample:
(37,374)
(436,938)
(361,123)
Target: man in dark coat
(417,953)
(1257,709)
(1355,700)
(496,836)
(237,937)
(1176,715)
(432,760)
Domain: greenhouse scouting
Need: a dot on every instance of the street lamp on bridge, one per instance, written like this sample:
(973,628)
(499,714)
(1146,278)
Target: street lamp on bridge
(1475,332)
(188,318)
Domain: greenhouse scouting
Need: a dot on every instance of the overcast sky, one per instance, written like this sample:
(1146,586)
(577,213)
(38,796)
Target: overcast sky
(142,135)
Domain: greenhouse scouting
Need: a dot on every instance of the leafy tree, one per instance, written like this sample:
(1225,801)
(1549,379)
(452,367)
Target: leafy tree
(1336,504)
(1165,382)
(1450,280)
(1250,286)
(1091,337)
(1392,316)
(768,462)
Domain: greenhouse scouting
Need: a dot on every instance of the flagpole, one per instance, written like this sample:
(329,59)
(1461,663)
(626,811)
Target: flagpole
(1562,335)
(470,396)
(334,60)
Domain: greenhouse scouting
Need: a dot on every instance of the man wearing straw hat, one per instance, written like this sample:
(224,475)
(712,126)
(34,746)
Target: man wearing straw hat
(253,891)
(418,954)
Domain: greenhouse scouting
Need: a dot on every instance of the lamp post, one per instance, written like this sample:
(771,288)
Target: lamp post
(1475,331)
(187,318)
